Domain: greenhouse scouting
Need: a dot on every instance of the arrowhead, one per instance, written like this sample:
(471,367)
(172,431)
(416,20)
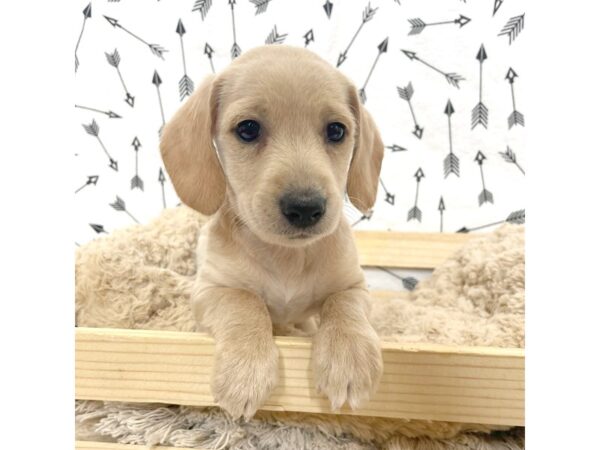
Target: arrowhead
(309,36)
(208,50)
(341,59)
(396,148)
(180,28)
(419,174)
(481,54)
(328,6)
(161,176)
(480,157)
(463,230)
(98,228)
(442,206)
(136,143)
(383,46)
(93,179)
(112,115)
(156,79)
(411,55)
(113,22)
(511,75)
(87,12)
(449,108)
(462,20)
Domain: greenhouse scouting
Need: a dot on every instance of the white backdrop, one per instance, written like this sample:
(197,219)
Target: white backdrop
(449,47)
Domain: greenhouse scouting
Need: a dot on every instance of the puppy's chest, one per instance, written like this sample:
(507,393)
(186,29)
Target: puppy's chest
(291,297)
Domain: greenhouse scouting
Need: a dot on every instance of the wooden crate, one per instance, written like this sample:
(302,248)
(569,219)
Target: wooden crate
(483,385)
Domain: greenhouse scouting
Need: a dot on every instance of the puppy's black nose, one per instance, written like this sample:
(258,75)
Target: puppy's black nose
(302,210)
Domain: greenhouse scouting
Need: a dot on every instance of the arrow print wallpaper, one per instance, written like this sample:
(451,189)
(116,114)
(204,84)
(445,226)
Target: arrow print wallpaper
(420,67)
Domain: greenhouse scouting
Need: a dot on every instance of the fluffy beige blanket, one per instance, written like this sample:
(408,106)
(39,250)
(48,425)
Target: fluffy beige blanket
(140,277)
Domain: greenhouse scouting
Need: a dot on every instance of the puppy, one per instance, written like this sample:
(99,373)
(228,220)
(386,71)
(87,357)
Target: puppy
(268,148)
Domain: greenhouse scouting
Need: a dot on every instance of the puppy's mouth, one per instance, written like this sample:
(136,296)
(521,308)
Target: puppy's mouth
(302,236)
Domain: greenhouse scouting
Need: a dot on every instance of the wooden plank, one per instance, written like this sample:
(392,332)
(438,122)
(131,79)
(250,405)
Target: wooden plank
(420,381)
(408,250)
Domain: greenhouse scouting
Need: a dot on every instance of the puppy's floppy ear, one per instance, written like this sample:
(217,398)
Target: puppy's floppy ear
(187,150)
(363,176)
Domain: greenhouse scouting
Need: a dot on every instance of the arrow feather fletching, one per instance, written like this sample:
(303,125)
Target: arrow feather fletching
(368,13)
(486,197)
(202,6)
(517,217)
(114,59)
(92,128)
(119,204)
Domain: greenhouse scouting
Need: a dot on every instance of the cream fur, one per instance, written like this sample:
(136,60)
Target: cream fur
(255,268)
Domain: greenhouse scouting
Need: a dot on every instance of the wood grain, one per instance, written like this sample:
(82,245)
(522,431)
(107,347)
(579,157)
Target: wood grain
(420,381)
(408,250)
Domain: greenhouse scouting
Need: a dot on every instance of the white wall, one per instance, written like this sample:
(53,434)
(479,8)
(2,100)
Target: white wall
(448,47)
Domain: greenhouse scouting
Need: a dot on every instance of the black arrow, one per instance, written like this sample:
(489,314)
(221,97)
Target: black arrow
(202,6)
(235,48)
(87,13)
(114,59)
(409,283)
(441,209)
(119,205)
(92,179)
(415,212)
(516,217)
(497,5)
(161,180)
(136,181)
(406,94)
(328,7)
(451,78)
(309,37)
(94,130)
(367,15)
(513,27)
(451,162)
(479,115)
(110,114)
(98,228)
(389,197)
(381,48)
(515,118)
(208,51)
(417,25)
(156,81)
(186,85)
(395,148)
(154,48)
(261,5)
(366,216)
(510,157)
(274,37)
(485,196)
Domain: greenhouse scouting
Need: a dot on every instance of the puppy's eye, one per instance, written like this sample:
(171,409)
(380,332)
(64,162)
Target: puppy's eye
(248,130)
(335,132)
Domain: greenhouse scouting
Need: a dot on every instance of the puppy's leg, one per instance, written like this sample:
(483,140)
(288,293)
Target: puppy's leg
(245,370)
(346,358)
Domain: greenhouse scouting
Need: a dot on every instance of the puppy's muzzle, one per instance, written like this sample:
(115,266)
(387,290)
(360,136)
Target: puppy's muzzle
(302,209)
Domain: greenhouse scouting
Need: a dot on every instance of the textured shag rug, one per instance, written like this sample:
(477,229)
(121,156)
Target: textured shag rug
(140,277)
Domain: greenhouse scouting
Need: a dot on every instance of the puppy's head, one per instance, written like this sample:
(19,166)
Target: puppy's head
(283,136)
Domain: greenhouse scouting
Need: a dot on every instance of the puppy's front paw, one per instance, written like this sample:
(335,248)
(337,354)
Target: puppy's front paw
(244,376)
(347,363)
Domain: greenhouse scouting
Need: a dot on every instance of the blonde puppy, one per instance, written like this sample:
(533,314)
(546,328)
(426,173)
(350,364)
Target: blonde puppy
(268,148)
